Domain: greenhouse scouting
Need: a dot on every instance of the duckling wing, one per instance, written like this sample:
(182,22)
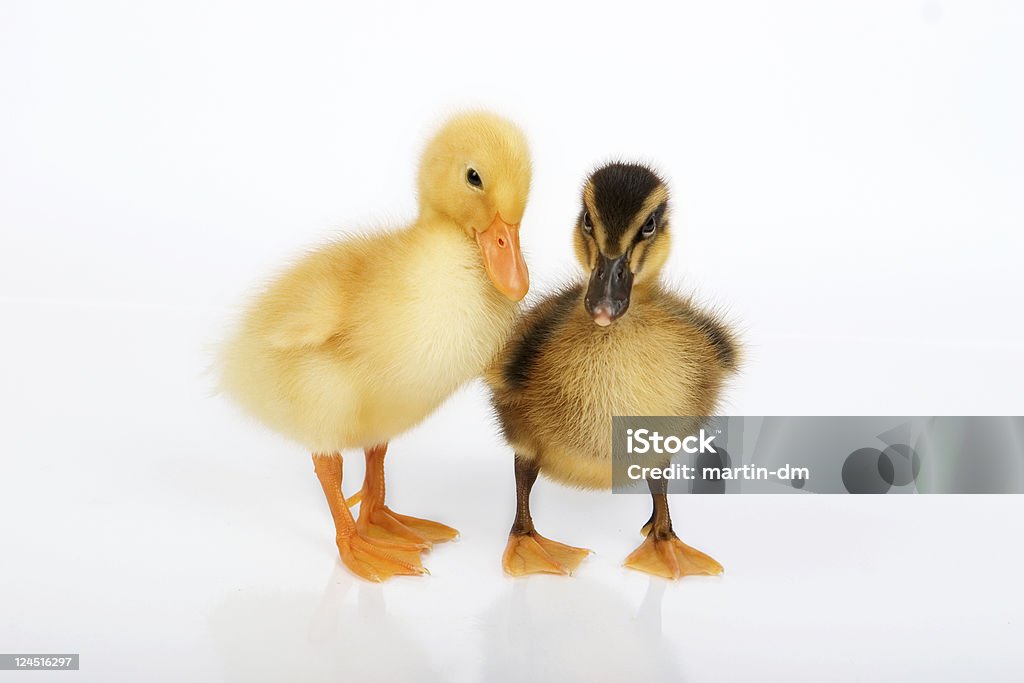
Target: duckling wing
(703,329)
(290,361)
(308,304)
(303,321)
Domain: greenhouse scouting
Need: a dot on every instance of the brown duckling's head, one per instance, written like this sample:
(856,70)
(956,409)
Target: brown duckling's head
(476,172)
(621,235)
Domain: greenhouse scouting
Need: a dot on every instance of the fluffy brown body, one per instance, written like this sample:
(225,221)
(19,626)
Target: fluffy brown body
(621,344)
(665,357)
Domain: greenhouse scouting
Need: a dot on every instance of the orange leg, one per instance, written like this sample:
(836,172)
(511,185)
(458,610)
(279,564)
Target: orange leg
(379,521)
(369,558)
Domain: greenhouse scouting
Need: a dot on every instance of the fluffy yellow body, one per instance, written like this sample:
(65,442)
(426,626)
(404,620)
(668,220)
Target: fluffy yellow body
(361,340)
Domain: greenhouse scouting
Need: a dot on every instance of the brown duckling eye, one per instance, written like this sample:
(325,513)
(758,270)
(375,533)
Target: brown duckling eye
(649,227)
(473,178)
(588,223)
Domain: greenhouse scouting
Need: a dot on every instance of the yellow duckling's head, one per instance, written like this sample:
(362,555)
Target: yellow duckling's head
(621,235)
(476,172)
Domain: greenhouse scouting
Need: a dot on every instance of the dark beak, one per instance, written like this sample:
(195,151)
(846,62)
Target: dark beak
(611,282)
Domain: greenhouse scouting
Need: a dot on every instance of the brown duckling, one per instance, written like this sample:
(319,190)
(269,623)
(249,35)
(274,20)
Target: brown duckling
(621,344)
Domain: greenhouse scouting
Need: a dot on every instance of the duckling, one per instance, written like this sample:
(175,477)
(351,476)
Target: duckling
(365,337)
(622,344)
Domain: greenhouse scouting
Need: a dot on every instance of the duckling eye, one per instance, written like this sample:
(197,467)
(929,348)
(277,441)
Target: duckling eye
(473,178)
(649,227)
(588,223)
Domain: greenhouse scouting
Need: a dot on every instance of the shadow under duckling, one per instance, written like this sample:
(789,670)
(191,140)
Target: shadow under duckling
(620,345)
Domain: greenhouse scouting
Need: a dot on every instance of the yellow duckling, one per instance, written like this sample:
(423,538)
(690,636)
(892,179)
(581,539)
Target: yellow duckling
(622,345)
(362,339)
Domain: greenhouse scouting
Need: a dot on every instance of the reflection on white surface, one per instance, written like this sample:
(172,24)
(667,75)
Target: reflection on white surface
(539,629)
(550,629)
(271,636)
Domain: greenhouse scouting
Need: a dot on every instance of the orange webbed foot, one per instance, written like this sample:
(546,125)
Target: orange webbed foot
(531,553)
(434,532)
(376,560)
(670,558)
(384,523)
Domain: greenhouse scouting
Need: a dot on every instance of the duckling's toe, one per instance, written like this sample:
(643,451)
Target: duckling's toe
(670,558)
(434,532)
(380,524)
(531,553)
(355,498)
(376,560)
(383,523)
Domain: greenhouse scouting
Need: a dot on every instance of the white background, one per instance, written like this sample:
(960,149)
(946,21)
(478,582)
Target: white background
(847,186)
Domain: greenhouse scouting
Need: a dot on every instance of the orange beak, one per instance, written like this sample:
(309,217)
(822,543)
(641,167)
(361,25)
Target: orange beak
(503,259)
